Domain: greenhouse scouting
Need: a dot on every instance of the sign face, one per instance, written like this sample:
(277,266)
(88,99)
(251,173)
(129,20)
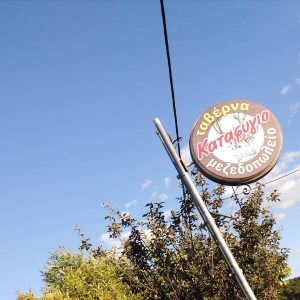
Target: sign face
(235,142)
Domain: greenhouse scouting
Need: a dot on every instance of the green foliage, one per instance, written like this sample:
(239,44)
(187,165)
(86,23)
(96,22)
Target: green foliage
(178,259)
(75,276)
(290,290)
(50,296)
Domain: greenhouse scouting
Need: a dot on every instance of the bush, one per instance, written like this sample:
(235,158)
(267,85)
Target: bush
(75,276)
(177,258)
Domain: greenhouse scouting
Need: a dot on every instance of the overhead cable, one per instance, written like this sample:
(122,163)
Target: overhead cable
(170,73)
(271,181)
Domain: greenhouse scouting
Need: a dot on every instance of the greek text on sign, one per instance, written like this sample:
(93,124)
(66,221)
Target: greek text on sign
(237,141)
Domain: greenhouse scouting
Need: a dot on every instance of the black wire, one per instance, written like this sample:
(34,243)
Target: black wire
(288,174)
(163,15)
(285,175)
(170,72)
(173,93)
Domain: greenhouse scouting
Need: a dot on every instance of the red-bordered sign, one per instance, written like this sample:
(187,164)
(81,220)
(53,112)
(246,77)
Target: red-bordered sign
(236,141)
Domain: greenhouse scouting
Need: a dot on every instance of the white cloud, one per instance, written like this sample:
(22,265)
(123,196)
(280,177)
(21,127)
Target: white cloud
(104,238)
(131,203)
(294,259)
(228,192)
(156,196)
(298,81)
(288,161)
(280,216)
(163,197)
(186,155)
(283,164)
(285,89)
(109,242)
(289,186)
(293,111)
(291,156)
(146,183)
(167,213)
(167,181)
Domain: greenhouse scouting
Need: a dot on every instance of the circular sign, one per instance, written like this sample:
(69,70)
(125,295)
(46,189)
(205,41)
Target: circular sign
(236,141)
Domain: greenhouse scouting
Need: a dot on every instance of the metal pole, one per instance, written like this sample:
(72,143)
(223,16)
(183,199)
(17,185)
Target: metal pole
(206,216)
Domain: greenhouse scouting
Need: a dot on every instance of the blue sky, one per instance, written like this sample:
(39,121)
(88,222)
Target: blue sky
(82,81)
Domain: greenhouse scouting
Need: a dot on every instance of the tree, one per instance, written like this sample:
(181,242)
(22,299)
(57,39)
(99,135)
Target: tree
(49,296)
(178,259)
(291,289)
(175,258)
(71,276)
